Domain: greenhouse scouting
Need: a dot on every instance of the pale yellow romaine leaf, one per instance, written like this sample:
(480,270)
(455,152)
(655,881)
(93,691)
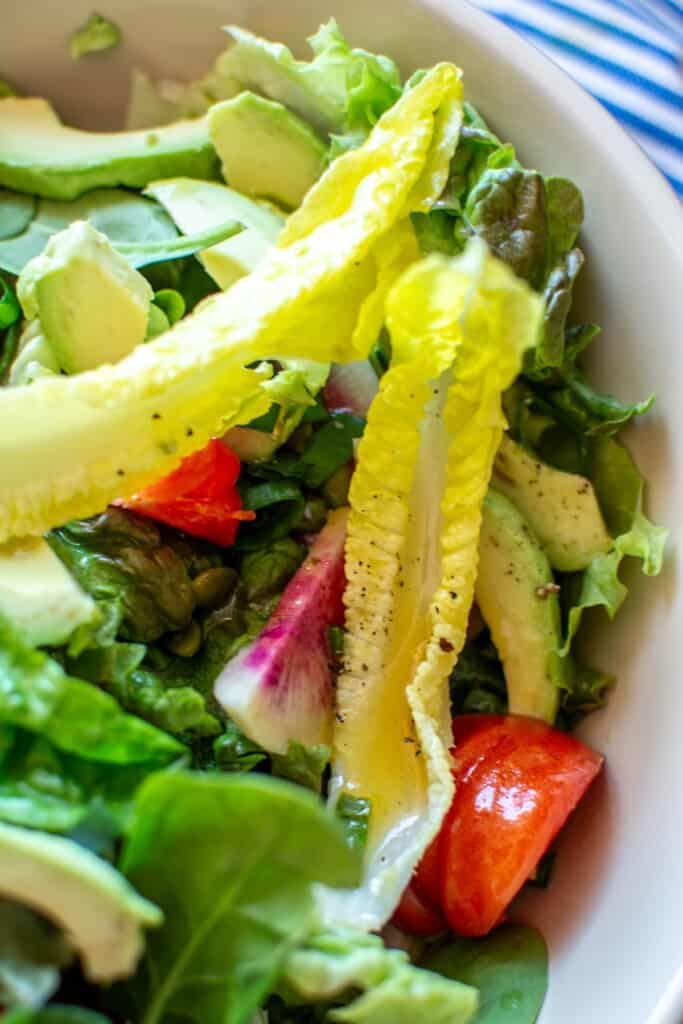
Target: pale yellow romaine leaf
(70,445)
(459,329)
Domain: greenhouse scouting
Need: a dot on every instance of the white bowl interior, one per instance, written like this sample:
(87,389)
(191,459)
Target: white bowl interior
(613,913)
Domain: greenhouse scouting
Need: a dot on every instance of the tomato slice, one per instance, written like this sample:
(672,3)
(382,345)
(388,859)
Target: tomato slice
(517,780)
(199,496)
(416,916)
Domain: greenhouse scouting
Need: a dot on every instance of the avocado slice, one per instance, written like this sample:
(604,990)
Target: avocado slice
(101,913)
(42,156)
(265,149)
(38,594)
(517,597)
(93,306)
(197,205)
(561,508)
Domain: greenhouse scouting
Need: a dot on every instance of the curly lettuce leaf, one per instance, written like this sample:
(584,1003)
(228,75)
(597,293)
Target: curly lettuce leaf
(45,788)
(134,421)
(330,965)
(458,331)
(619,487)
(343,89)
(75,716)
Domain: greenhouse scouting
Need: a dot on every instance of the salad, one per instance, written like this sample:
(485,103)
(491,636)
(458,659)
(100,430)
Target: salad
(303,496)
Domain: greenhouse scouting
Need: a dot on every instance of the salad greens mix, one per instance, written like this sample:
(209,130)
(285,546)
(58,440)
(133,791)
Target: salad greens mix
(303,496)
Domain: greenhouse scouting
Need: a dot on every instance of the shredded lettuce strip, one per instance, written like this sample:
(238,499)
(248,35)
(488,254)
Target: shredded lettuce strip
(113,430)
(459,329)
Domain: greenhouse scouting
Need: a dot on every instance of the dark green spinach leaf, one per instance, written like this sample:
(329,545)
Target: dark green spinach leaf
(242,845)
(509,967)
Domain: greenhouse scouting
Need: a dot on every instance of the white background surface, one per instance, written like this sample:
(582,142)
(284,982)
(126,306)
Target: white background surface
(614,913)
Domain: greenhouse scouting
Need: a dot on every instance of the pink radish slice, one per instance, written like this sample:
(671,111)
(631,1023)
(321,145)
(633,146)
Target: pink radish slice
(351,387)
(280,687)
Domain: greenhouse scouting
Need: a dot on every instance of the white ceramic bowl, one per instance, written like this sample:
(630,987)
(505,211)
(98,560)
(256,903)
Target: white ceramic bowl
(614,913)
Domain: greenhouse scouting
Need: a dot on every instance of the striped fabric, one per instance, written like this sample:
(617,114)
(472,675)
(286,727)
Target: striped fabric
(627,53)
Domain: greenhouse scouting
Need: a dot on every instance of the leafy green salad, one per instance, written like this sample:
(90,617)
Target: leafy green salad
(303,496)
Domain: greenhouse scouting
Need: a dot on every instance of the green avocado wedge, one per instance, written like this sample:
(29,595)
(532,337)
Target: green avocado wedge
(100,912)
(561,508)
(517,596)
(42,156)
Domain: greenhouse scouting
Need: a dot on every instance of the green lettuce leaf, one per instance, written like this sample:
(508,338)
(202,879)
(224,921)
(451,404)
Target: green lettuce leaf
(477,683)
(234,752)
(75,716)
(343,89)
(354,813)
(619,487)
(266,571)
(119,669)
(32,953)
(334,964)
(508,967)
(302,764)
(55,1015)
(243,846)
(95,35)
(45,788)
(141,584)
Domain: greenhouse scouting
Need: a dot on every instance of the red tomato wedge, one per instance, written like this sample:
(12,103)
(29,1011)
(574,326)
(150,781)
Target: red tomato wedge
(199,496)
(517,781)
(416,916)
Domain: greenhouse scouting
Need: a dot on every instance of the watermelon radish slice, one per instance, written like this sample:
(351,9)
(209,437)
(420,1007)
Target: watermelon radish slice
(351,387)
(280,687)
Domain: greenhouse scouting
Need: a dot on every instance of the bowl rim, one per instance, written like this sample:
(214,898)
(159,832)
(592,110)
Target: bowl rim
(544,70)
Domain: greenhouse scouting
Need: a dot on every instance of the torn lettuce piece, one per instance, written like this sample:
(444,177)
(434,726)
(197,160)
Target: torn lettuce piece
(336,964)
(302,764)
(78,718)
(133,422)
(45,788)
(458,331)
(619,487)
(140,583)
(342,89)
(96,35)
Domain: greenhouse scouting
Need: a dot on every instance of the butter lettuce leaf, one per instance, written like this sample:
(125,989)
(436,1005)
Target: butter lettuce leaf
(132,422)
(458,330)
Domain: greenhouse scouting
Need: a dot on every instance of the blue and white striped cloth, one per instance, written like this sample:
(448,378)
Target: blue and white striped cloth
(627,53)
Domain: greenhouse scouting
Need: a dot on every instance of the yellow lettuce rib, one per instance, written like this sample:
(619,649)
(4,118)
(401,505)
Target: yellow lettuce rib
(70,445)
(458,330)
